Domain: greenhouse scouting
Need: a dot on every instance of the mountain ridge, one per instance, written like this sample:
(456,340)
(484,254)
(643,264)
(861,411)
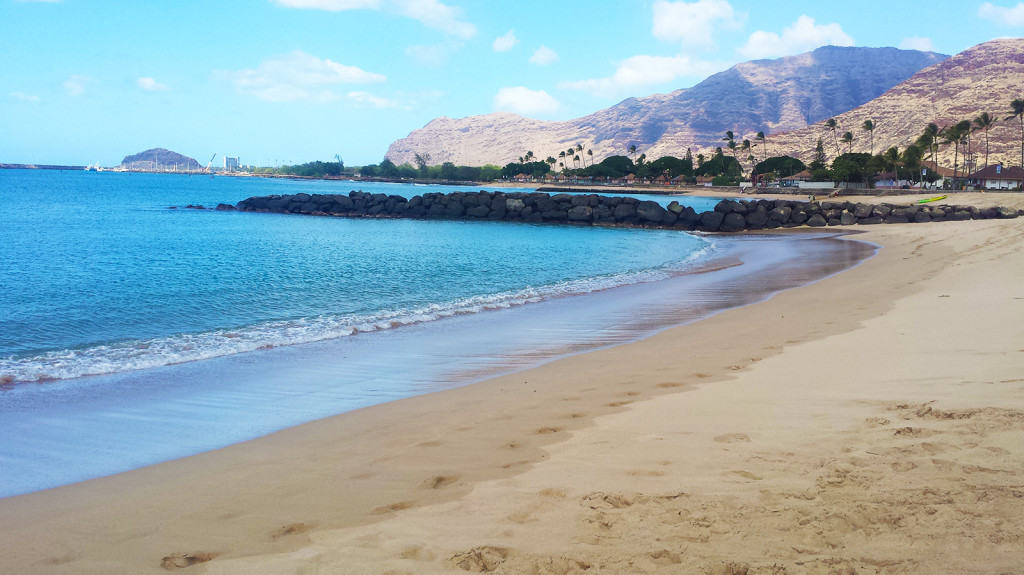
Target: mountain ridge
(159,158)
(761,95)
(983,78)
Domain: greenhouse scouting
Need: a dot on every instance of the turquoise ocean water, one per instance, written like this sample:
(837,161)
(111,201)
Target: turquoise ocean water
(131,333)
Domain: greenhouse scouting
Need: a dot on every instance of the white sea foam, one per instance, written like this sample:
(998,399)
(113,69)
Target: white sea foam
(136,355)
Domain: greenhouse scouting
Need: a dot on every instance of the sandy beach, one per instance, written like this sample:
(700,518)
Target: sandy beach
(868,423)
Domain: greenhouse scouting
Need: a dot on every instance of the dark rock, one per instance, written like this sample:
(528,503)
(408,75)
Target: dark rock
(225,208)
(650,211)
(862,210)
(478,211)
(780,214)
(624,211)
(847,219)
(921,218)
(817,221)
(711,221)
(734,222)
(581,214)
(757,218)
(454,209)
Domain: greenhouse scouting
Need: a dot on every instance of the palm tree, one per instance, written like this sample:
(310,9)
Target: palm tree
(764,145)
(984,123)
(832,125)
(550,161)
(632,151)
(848,140)
(730,142)
(561,157)
(1017,111)
(576,160)
(591,154)
(929,139)
(869,127)
(954,135)
(529,156)
(892,159)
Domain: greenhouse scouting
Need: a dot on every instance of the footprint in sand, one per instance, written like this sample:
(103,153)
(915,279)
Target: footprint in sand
(183,560)
(384,509)
(733,438)
(439,481)
(480,559)
(290,529)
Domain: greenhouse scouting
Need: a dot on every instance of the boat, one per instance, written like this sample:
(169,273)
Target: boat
(935,199)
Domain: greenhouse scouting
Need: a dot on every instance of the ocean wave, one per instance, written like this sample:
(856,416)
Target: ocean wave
(182,348)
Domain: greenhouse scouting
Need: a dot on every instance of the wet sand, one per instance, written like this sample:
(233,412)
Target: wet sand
(868,423)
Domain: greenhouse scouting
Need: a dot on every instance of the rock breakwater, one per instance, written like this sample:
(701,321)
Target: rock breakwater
(594,209)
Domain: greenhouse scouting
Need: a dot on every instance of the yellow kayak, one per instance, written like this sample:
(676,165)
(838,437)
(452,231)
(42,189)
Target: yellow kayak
(935,199)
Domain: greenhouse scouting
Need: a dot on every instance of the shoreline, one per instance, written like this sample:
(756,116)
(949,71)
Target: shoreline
(249,395)
(407,496)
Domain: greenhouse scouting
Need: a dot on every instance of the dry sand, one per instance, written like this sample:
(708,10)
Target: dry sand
(869,423)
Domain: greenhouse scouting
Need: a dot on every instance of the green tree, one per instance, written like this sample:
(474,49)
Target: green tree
(833,125)
(421,163)
(760,137)
(781,166)
(929,140)
(954,135)
(911,159)
(892,161)
(869,127)
(848,140)
(983,123)
(818,163)
(1017,111)
(632,150)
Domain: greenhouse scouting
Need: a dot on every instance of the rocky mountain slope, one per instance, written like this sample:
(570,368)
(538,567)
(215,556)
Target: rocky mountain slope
(764,95)
(985,78)
(159,159)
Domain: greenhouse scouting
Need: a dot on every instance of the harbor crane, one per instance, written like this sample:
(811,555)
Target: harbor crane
(210,163)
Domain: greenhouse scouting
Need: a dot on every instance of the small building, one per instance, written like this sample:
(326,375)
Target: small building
(795,180)
(706,181)
(997,177)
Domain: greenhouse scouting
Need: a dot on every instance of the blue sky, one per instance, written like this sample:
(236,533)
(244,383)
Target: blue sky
(289,81)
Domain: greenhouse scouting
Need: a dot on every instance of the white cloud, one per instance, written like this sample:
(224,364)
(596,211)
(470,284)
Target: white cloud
(76,84)
(368,99)
(299,76)
(544,56)
(430,13)
(525,101)
(640,71)
(506,42)
(151,85)
(804,35)
(1001,15)
(23,97)
(692,23)
(917,43)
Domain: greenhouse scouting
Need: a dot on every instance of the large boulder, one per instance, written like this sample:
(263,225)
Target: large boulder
(734,222)
(711,221)
(581,214)
(650,211)
(817,221)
